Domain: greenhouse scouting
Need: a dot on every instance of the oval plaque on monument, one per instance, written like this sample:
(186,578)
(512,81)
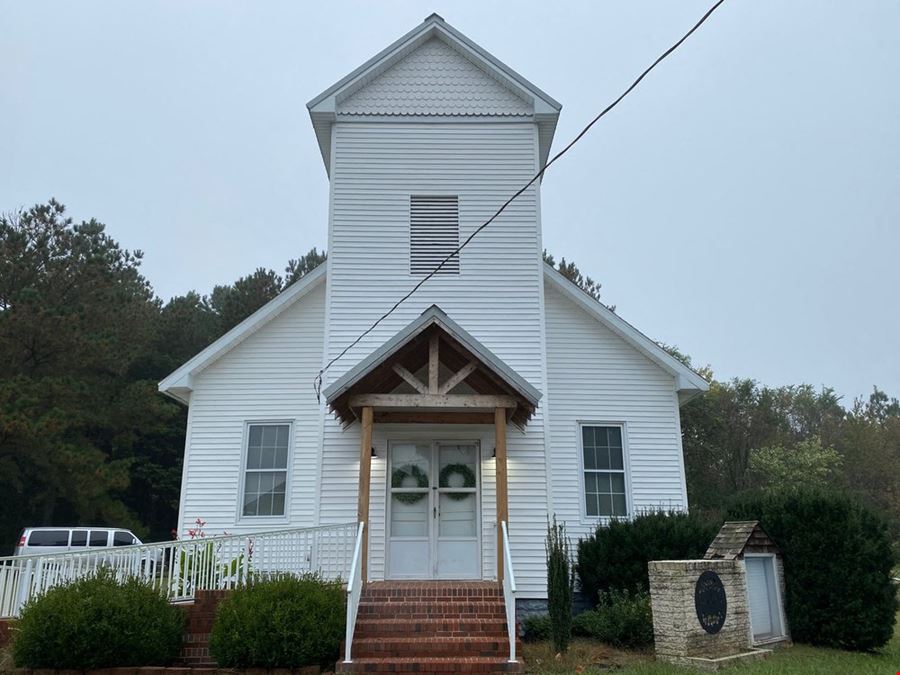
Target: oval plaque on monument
(710,602)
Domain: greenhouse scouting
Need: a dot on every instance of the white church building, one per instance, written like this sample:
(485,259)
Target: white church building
(499,394)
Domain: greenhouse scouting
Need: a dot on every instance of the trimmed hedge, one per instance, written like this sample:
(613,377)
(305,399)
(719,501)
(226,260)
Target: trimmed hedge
(837,564)
(282,622)
(537,628)
(98,622)
(621,619)
(615,557)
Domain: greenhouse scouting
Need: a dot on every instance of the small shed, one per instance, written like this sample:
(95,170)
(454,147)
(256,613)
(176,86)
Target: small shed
(746,540)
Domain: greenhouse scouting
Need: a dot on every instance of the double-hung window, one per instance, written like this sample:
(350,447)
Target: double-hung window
(265,478)
(604,471)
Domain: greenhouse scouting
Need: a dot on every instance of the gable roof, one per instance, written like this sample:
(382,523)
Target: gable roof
(179,383)
(688,383)
(435,317)
(324,109)
(735,537)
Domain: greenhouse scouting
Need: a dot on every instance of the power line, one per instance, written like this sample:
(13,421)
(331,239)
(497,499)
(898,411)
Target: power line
(317,384)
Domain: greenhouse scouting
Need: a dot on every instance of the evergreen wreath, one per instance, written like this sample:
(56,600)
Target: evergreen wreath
(400,474)
(463,470)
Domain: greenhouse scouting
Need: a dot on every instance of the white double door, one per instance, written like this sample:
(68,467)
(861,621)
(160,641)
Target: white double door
(433,505)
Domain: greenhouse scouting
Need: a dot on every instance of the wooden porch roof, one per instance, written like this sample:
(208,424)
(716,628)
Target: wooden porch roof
(433,371)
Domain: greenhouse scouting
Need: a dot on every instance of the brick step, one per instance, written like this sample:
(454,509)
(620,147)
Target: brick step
(389,647)
(420,628)
(200,615)
(401,610)
(437,664)
(435,600)
(425,616)
(196,655)
(450,590)
(190,638)
(197,663)
(406,596)
(437,595)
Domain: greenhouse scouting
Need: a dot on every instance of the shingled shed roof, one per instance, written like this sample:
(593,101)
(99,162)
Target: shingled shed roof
(738,536)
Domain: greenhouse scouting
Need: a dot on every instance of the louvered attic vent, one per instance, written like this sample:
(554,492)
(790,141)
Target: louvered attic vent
(433,233)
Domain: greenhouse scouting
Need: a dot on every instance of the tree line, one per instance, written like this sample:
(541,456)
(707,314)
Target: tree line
(86,438)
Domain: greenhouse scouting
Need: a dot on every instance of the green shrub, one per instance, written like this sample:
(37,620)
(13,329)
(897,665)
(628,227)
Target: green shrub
(560,586)
(615,557)
(98,622)
(621,619)
(281,622)
(536,628)
(837,566)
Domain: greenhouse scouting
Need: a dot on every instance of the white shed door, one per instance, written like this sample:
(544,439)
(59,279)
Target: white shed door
(765,621)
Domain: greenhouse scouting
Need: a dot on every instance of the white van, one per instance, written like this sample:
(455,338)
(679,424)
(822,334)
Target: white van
(38,540)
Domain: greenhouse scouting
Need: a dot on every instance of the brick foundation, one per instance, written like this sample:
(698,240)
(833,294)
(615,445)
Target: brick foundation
(5,632)
(175,670)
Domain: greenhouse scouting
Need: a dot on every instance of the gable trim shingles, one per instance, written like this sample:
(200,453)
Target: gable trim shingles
(435,79)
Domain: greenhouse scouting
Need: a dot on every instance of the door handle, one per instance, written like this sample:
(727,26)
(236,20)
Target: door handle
(435,512)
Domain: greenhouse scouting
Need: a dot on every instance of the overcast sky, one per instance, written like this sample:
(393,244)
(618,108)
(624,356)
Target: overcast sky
(743,203)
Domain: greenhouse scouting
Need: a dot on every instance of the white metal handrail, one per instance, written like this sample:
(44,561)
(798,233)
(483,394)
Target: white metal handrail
(180,568)
(354,591)
(509,593)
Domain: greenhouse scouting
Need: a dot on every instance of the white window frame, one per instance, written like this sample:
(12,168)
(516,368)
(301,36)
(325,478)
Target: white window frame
(245,449)
(776,578)
(626,470)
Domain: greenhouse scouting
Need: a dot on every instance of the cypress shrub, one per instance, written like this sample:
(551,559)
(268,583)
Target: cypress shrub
(837,566)
(615,557)
(280,622)
(98,622)
(560,585)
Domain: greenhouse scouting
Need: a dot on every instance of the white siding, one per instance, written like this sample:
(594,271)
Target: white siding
(435,79)
(594,376)
(496,296)
(266,377)
(433,124)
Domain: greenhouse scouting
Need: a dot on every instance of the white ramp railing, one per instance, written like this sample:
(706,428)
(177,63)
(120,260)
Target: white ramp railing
(509,593)
(354,591)
(182,567)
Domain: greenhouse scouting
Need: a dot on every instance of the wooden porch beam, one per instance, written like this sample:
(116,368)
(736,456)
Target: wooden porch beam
(432,401)
(411,379)
(433,417)
(434,365)
(365,470)
(458,377)
(502,492)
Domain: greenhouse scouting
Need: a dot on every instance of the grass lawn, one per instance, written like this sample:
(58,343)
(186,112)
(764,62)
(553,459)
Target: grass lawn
(586,656)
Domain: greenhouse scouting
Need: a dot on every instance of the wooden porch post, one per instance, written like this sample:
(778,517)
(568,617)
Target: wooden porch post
(365,465)
(502,503)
